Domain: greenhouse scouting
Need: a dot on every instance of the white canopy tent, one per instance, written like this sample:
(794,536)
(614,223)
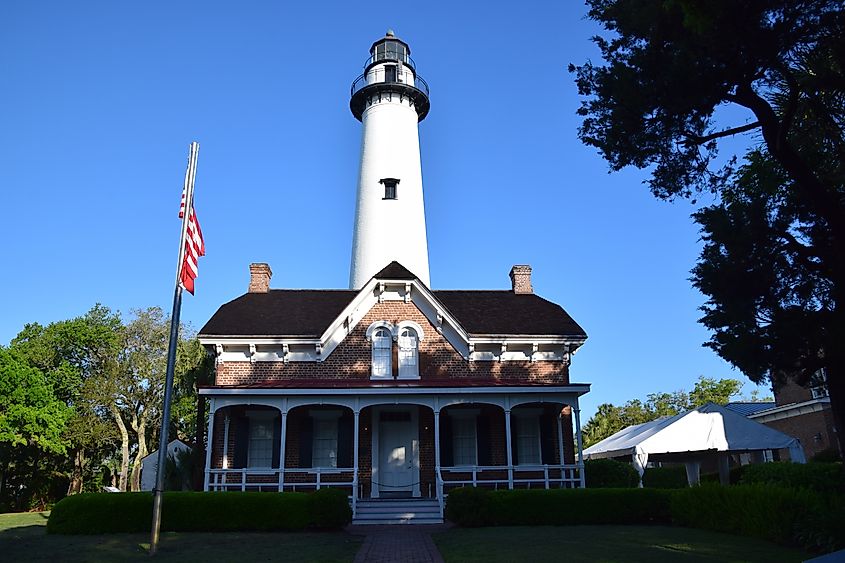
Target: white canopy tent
(690,436)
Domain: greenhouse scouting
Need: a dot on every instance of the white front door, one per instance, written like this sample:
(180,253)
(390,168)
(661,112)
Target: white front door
(398,467)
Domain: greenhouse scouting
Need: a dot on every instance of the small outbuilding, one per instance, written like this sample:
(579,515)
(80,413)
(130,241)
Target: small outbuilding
(706,433)
(149,463)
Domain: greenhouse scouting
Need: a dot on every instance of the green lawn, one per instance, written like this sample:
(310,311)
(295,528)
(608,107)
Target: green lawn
(23,538)
(604,543)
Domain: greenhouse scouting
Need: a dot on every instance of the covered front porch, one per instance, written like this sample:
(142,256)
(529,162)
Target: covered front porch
(389,443)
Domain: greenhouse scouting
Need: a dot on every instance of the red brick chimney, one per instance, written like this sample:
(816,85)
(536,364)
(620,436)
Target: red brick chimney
(521,279)
(259,277)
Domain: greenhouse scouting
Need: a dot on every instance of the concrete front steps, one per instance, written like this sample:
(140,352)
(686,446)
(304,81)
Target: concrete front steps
(398,511)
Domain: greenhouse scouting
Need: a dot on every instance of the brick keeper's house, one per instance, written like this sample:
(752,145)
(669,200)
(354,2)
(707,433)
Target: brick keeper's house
(391,390)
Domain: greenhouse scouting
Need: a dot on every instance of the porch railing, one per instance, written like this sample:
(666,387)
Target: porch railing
(513,476)
(569,476)
(288,479)
(489,476)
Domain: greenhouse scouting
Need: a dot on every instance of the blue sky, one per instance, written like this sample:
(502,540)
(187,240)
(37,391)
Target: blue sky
(101,99)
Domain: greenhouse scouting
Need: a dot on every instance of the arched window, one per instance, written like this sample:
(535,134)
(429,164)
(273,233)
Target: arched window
(408,353)
(382,343)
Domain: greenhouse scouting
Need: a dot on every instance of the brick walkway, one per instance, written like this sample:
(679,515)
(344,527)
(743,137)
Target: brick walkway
(402,542)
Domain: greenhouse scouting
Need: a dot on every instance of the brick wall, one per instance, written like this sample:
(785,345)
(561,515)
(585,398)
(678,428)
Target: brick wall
(791,392)
(351,359)
(815,430)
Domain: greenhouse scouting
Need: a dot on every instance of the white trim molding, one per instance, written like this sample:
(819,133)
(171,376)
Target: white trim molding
(380,324)
(790,410)
(472,347)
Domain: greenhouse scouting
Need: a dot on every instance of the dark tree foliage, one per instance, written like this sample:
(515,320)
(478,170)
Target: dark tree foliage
(771,301)
(773,265)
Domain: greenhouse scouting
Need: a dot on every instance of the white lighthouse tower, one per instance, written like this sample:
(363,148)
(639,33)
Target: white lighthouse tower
(389,99)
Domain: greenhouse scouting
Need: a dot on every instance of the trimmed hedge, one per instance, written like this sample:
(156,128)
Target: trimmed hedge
(777,514)
(481,507)
(100,513)
(665,477)
(609,473)
(770,513)
(820,477)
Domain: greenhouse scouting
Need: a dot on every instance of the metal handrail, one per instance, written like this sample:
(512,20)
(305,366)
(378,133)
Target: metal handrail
(391,56)
(361,82)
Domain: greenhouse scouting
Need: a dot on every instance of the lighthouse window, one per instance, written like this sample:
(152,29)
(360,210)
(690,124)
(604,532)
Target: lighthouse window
(390,50)
(389,187)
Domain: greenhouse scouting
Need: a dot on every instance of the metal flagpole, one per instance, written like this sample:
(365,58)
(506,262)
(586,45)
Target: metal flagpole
(190,175)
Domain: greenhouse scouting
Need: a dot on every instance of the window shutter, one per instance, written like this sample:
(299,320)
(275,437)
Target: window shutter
(446,455)
(277,434)
(241,442)
(482,436)
(306,439)
(345,436)
(514,449)
(547,439)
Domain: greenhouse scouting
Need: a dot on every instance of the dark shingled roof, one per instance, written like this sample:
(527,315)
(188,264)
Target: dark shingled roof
(280,312)
(309,312)
(506,312)
(747,408)
(395,271)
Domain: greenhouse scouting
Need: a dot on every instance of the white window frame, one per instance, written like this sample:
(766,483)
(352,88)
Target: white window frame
(378,344)
(407,371)
(820,390)
(409,356)
(523,417)
(260,419)
(459,417)
(328,419)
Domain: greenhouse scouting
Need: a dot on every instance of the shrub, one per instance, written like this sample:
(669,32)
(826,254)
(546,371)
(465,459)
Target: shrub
(820,477)
(766,512)
(330,509)
(608,473)
(665,477)
(479,507)
(469,507)
(823,530)
(97,513)
(734,476)
(828,455)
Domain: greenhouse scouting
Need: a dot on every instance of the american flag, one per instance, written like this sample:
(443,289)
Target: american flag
(194,247)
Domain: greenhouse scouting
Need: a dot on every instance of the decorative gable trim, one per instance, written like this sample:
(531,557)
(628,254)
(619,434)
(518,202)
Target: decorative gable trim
(472,348)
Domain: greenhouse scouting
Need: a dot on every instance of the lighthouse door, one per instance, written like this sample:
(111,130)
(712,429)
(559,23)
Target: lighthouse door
(390,73)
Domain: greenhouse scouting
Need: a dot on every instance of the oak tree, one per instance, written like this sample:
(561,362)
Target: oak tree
(773,265)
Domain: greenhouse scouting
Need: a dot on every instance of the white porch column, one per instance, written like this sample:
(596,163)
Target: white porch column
(508,449)
(579,442)
(438,485)
(284,433)
(225,463)
(355,430)
(560,446)
(209,443)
